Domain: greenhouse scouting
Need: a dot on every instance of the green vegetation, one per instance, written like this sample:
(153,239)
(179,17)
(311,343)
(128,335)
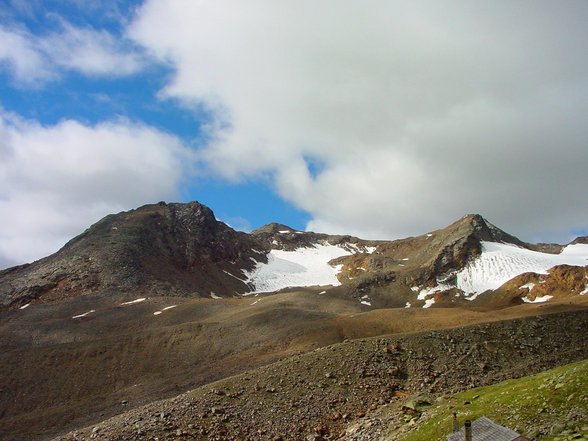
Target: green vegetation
(550,406)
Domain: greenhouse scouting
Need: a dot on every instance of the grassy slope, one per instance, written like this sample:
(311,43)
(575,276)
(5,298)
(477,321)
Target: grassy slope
(551,406)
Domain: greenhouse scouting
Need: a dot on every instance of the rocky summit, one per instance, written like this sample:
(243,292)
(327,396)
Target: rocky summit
(171,249)
(279,333)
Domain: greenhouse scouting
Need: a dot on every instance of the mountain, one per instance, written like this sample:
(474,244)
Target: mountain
(182,250)
(171,249)
(273,333)
(162,249)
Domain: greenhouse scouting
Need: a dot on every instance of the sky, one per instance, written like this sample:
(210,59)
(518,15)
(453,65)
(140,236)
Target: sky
(378,118)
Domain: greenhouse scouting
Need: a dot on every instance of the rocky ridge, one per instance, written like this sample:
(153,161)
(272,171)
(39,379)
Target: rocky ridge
(182,250)
(159,249)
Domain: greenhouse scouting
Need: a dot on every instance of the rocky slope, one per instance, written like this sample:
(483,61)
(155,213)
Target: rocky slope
(161,249)
(321,394)
(560,282)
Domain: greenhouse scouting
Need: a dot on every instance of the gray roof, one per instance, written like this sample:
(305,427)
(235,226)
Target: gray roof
(484,429)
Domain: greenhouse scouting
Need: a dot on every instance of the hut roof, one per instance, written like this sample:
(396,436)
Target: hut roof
(484,429)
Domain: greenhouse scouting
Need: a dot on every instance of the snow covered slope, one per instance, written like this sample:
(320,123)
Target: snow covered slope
(301,267)
(500,262)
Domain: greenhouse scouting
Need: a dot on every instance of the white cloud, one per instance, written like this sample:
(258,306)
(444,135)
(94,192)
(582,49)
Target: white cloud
(419,112)
(33,60)
(91,52)
(57,180)
(19,54)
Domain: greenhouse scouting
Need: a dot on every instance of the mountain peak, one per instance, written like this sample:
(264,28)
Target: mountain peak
(274,228)
(481,229)
(156,249)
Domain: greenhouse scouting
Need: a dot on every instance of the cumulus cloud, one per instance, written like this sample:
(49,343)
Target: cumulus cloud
(416,112)
(57,180)
(33,60)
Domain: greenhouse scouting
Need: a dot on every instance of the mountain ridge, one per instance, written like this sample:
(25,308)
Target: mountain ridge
(181,249)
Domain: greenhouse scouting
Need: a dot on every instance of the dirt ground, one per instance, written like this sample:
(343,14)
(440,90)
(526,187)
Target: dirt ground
(59,373)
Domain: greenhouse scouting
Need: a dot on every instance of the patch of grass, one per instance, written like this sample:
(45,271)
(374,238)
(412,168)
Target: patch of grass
(552,405)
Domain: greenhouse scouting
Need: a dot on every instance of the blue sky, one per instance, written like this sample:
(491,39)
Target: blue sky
(382,122)
(92,99)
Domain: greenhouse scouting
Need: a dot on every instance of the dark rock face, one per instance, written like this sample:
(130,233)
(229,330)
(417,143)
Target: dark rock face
(464,240)
(279,236)
(161,249)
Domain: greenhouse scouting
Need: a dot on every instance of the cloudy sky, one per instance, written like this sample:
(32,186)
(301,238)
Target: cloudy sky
(381,119)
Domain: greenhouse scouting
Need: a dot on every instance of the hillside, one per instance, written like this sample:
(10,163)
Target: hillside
(322,394)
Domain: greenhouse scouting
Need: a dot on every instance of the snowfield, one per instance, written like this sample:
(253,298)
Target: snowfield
(500,262)
(301,267)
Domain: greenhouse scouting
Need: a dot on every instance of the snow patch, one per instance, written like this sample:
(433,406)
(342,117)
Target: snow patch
(25,306)
(415,288)
(365,302)
(537,299)
(232,275)
(428,303)
(322,292)
(142,299)
(214,296)
(284,231)
(169,307)
(301,267)
(84,314)
(405,259)
(428,291)
(370,250)
(429,235)
(408,305)
(528,286)
(582,293)
(157,312)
